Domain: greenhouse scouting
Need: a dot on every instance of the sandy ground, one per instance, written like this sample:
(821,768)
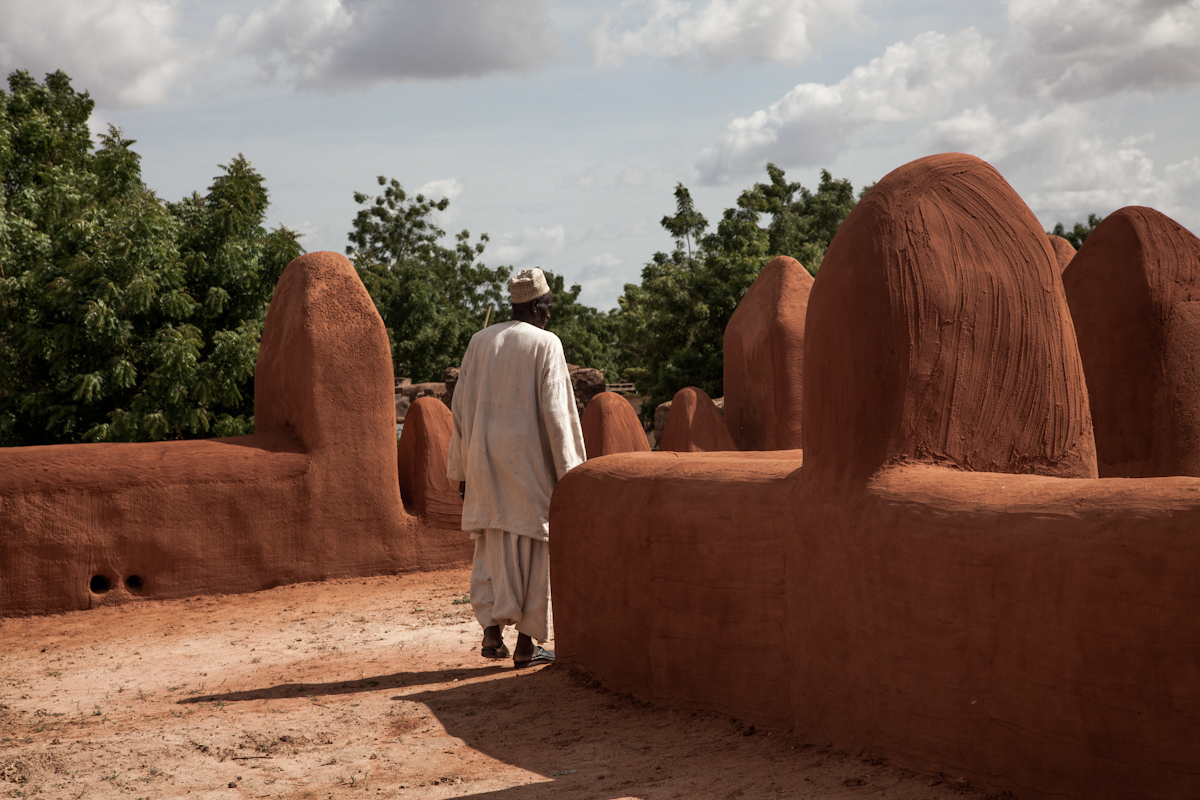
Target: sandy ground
(359,689)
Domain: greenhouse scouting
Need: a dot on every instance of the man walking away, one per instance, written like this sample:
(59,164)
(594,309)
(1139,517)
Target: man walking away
(516,433)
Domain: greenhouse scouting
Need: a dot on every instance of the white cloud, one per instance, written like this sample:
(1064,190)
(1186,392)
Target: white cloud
(450,189)
(339,44)
(1076,49)
(124,52)
(528,248)
(311,232)
(601,279)
(1186,174)
(1064,169)
(604,261)
(813,122)
(720,31)
(606,178)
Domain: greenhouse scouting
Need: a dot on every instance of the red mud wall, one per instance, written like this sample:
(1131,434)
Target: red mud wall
(962,594)
(1134,289)
(610,425)
(993,625)
(667,572)
(421,457)
(313,494)
(1064,251)
(694,425)
(943,286)
(764,359)
(1035,633)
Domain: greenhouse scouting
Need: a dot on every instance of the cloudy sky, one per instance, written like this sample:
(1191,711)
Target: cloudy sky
(560,128)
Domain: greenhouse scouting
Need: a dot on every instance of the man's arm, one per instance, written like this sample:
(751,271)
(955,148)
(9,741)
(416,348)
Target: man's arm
(559,415)
(456,461)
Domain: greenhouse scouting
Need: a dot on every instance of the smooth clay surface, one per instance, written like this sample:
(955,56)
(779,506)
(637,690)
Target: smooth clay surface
(694,425)
(1134,291)
(610,425)
(960,591)
(680,558)
(313,494)
(764,360)
(421,457)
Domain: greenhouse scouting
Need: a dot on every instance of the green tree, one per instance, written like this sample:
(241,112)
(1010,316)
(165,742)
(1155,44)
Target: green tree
(802,223)
(688,224)
(432,298)
(111,329)
(1077,235)
(589,337)
(671,327)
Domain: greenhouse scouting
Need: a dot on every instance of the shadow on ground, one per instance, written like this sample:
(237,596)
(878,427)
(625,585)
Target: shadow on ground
(398,680)
(560,724)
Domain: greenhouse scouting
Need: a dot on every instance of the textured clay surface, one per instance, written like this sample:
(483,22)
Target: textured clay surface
(960,592)
(942,334)
(312,494)
(421,458)
(367,688)
(1133,291)
(694,425)
(610,425)
(1064,251)
(764,359)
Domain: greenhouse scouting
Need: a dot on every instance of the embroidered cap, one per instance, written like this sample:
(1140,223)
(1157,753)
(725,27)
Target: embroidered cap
(528,284)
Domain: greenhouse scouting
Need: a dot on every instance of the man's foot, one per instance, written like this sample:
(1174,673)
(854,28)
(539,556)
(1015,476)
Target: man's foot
(493,643)
(540,656)
(527,654)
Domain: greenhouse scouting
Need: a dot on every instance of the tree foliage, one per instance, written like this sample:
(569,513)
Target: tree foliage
(1077,235)
(802,223)
(122,318)
(589,337)
(125,318)
(432,298)
(671,327)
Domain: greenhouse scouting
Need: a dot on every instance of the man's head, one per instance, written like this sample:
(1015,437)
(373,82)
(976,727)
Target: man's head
(531,297)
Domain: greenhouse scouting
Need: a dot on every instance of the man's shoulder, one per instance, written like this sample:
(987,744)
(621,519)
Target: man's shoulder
(490,332)
(528,335)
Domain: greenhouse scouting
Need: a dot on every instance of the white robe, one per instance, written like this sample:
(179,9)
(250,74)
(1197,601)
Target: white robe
(516,429)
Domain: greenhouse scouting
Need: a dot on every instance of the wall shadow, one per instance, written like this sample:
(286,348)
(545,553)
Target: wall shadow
(378,683)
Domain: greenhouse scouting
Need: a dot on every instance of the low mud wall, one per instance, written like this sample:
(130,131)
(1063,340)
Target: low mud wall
(961,591)
(668,578)
(313,494)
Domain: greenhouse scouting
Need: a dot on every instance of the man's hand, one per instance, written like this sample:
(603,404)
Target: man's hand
(462,489)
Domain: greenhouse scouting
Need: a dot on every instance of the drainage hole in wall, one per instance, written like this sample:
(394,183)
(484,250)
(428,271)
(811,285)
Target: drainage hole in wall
(100,584)
(134,582)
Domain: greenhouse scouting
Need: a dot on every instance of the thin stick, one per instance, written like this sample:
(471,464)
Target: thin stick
(489,315)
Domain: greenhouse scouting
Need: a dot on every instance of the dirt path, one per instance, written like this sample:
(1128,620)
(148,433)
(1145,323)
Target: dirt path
(357,689)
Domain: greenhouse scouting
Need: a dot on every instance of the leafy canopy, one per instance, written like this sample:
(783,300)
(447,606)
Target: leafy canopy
(802,224)
(1077,235)
(122,318)
(432,298)
(589,337)
(671,326)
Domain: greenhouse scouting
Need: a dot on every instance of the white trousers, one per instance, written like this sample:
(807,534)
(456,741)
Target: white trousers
(510,582)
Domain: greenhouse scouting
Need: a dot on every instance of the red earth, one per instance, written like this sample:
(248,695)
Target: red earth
(363,688)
